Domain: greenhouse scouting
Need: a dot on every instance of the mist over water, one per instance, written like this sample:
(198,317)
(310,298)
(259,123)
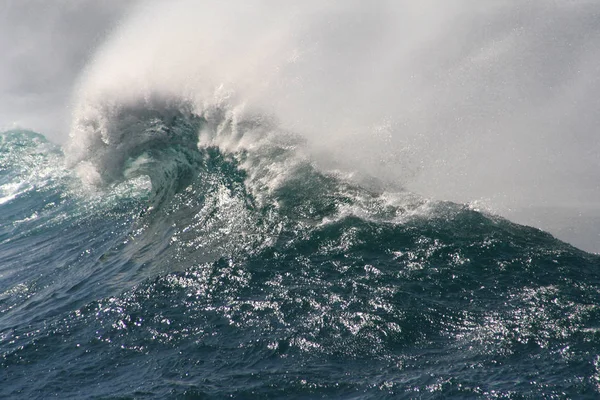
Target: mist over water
(493,104)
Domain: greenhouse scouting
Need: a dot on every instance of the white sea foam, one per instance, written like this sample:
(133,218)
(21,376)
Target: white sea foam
(453,100)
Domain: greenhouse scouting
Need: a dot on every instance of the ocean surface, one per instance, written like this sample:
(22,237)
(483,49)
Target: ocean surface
(173,264)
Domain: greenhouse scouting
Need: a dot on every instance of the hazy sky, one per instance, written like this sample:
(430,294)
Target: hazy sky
(493,102)
(43,46)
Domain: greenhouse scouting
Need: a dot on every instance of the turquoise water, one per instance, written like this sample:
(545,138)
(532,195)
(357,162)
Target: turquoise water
(206,271)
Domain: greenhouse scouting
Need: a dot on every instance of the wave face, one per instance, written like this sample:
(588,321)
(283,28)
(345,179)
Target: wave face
(226,263)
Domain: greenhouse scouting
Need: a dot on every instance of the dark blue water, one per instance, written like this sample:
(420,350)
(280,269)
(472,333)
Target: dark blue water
(193,271)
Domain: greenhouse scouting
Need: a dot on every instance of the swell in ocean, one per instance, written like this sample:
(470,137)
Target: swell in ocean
(229,219)
(211,265)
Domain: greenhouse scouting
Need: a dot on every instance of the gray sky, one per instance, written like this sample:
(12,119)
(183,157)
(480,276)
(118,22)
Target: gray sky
(43,47)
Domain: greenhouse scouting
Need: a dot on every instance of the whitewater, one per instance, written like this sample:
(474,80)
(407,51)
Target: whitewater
(273,200)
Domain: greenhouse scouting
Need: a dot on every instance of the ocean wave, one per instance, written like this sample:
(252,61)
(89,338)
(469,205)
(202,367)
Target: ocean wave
(213,229)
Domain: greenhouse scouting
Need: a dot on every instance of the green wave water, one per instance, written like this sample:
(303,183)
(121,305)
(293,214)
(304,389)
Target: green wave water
(161,264)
